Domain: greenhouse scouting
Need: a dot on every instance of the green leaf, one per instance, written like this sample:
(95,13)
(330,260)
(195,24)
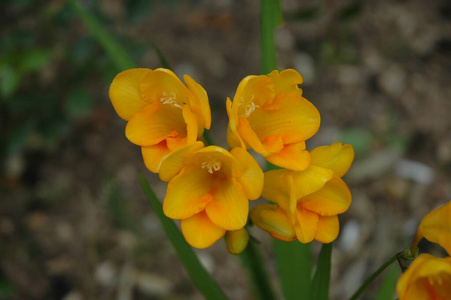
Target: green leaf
(9,80)
(388,286)
(34,60)
(294,262)
(79,104)
(270,17)
(320,282)
(204,282)
(119,56)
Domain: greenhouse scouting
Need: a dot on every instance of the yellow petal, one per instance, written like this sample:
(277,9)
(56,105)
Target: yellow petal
(192,126)
(293,118)
(428,277)
(200,232)
(250,174)
(174,162)
(310,180)
(436,228)
(153,155)
(236,240)
(333,199)
(154,123)
(252,91)
(292,157)
(307,225)
(250,137)
(278,185)
(162,85)
(272,219)
(286,82)
(233,137)
(125,92)
(328,228)
(337,157)
(201,105)
(230,206)
(187,194)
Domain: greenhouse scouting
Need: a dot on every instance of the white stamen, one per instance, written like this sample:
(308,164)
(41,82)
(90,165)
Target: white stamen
(211,165)
(250,107)
(170,99)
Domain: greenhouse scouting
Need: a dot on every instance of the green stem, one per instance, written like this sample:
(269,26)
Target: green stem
(374,276)
(261,284)
(270,18)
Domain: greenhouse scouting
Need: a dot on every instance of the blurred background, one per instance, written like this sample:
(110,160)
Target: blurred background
(74,222)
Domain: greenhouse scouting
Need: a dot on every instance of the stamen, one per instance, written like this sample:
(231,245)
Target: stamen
(250,107)
(212,165)
(170,99)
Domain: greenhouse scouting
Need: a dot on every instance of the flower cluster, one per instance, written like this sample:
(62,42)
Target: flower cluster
(209,187)
(429,277)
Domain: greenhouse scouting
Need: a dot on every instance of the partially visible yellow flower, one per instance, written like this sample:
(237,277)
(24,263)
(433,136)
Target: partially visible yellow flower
(269,115)
(236,240)
(209,189)
(436,228)
(427,278)
(163,114)
(307,202)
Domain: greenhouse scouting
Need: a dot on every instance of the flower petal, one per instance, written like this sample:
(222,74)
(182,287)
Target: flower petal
(236,240)
(292,117)
(200,105)
(292,157)
(192,126)
(286,82)
(233,137)
(258,90)
(250,174)
(436,227)
(230,206)
(187,194)
(154,123)
(333,199)
(337,157)
(310,180)
(162,85)
(306,225)
(250,137)
(153,155)
(174,162)
(125,92)
(272,219)
(200,232)
(277,187)
(328,228)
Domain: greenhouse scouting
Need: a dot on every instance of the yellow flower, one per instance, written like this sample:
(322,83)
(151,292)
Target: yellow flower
(427,278)
(163,114)
(307,202)
(436,228)
(236,240)
(269,115)
(209,189)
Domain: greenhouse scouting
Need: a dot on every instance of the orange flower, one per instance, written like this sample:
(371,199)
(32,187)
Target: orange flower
(209,189)
(163,114)
(427,278)
(269,115)
(436,228)
(307,202)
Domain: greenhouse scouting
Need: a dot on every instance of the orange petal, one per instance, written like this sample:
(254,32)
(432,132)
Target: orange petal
(250,174)
(328,228)
(233,137)
(153,155)
(192,126)
(125,92)
(200,105)
(310,180)
(293,118)
(292,157)
(162,85)
(436,228)
(278,185)
(307,225)
(333,199)
(200,232)
(154,123)
(250,137)
(236,240)
(337,157)
(230,206)
(286,82)
(258,90)
(272,219)
(174,162)
(187,194)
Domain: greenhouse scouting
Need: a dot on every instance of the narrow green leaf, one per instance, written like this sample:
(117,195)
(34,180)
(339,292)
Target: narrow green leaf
(320,282)
(119,56)
(270,18)
(204,282)
(295,268)
(388,286)
(258,276)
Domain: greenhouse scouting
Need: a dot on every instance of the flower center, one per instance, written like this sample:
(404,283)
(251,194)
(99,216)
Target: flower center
(249,107)
(170,98)
(212,165)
